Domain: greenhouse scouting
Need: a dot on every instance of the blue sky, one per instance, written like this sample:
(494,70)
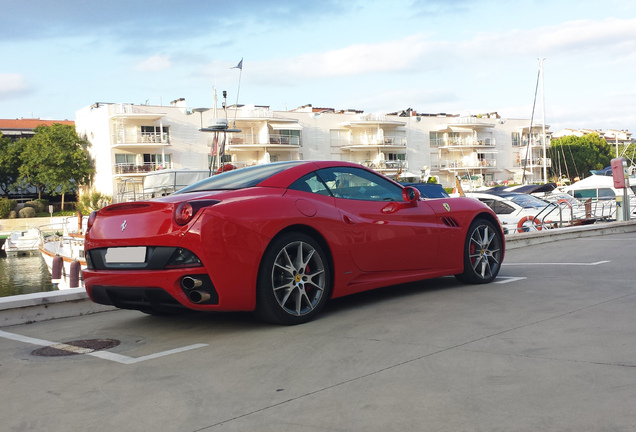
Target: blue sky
(453,56)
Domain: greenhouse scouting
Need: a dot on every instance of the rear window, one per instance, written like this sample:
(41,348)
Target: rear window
(240,178)
(527,201)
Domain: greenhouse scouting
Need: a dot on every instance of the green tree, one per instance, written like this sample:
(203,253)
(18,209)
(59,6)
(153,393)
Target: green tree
(56,160)
(9,164)
(576,156)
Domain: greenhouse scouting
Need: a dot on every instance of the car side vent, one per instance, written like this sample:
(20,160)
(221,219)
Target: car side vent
(448,221)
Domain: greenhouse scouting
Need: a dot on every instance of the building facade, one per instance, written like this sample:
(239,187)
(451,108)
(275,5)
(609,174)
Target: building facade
(129,142)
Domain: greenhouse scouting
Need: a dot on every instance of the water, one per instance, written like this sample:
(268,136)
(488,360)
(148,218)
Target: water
(23,275)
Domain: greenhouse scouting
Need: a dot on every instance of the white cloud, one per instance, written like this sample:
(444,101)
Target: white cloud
(154,63)
(12,85)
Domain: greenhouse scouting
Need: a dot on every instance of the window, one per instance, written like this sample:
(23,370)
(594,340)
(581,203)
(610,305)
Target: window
(359,184)
(516,141)
(153,134)
(338,137)
(125,159)
(436,139)
(285,136)
(502,208)
(602,193)
(310,183)
(605,193)
(167,157)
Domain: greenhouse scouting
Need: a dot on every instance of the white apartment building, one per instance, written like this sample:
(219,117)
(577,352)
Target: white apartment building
(129,142)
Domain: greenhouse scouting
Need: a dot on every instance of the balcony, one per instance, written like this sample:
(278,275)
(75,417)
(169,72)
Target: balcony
(134,169)
(470,142)
(364,143)
(468,163)
(386,165)
(532,162)
(535,141)
(141,139)
(284,140)
(254,142)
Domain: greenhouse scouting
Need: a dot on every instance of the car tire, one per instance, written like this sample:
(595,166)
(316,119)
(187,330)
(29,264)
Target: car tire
(483,250)
(294,280)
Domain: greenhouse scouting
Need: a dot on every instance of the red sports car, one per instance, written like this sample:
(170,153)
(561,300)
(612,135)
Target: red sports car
(280,239)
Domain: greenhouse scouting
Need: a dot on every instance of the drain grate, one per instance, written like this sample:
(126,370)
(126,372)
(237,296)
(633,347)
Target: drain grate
(85,346)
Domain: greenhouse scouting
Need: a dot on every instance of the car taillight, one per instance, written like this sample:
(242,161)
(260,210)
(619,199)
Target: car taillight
(184,213)
(91,221)
(186,210)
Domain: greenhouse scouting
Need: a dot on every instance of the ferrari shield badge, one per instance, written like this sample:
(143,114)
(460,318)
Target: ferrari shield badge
(446,206)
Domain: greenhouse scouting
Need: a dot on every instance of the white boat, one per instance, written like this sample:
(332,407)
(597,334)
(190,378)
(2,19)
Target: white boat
(22,242)
(600,193)
(70,248)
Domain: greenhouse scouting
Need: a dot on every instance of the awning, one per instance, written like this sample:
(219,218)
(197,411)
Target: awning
(285,126)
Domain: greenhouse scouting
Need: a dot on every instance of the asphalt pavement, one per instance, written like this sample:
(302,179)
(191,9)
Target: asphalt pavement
(549,346)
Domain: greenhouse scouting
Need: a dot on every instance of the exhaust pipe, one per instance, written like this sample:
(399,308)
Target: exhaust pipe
(198,296)
(189,283)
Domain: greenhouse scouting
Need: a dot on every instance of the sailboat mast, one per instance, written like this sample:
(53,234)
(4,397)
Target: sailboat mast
(545,160)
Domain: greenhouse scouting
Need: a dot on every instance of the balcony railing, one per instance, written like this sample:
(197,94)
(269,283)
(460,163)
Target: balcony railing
(385,140)
(142,138)
(534,142)
(532,162)
(255,140)
(386,164)
(284,140)
(469,142)
(451,164)
(125,168)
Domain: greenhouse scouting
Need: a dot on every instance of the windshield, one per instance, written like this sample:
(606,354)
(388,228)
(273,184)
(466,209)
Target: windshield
(527,201)
(240,178)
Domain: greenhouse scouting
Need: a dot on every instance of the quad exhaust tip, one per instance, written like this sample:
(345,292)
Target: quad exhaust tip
(198,296)
(189,283)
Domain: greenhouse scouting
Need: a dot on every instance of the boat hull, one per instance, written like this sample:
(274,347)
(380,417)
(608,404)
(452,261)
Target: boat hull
(69,252)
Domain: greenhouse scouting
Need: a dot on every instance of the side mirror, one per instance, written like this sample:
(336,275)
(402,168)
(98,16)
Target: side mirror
(410,194)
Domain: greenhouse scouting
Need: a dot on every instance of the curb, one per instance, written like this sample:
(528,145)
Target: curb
(29,308)
(44,306)
(515,241)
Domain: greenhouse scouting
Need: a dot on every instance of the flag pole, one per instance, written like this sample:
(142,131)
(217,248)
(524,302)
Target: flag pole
(240,68)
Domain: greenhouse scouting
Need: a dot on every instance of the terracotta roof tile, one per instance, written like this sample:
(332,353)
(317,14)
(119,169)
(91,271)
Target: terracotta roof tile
(30,123)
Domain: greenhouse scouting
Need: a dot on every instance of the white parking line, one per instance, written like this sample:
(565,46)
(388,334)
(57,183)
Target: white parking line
(507,279)
(556,264)
(99,354)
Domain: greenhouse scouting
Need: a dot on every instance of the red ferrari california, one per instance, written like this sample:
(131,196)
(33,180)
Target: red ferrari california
(281,239)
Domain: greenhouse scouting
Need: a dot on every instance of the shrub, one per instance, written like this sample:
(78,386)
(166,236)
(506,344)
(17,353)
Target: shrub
(6,205)
(88,203)
(38,206)
(13,214)
(27,212)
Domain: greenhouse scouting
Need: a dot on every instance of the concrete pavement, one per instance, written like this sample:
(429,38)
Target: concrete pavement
(549,346)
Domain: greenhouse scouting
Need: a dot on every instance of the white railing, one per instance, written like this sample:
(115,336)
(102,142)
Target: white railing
(468,142)
(125,168)
(386,164)
(386,140)
(532,162)
(470,164)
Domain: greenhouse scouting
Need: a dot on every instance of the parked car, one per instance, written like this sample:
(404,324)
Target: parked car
(280,239)
(429,190)
(521,212)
